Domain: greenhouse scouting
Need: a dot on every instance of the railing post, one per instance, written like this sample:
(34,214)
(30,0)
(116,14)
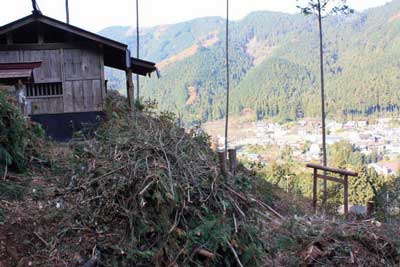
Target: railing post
(370,208)
(222,162)
(344,173)
(346,195)
(232,160)
(325,193)
(315,188)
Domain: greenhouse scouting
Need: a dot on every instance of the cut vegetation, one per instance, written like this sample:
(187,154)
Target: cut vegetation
(143,192)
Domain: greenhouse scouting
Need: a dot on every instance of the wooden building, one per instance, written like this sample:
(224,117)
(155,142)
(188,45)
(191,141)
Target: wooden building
(69,83)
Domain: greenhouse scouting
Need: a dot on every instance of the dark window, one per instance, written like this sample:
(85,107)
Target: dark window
(3,39)
(54,35)
(25,35)
(44,89)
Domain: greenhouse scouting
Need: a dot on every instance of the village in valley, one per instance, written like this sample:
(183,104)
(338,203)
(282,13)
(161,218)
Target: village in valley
(261,141)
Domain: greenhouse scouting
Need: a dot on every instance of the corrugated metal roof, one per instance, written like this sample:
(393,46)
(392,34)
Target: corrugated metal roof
(15,73)
(22,65)
(142,67)
(11,73)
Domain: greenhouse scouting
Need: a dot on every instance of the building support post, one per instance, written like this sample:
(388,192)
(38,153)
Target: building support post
(130,89)
(346,195)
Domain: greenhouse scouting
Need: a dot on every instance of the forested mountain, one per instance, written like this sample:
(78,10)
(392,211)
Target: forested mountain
(274,60)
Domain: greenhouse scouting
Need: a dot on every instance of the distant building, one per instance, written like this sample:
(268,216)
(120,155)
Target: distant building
(256,157)
(385,168)
(330,140)
(334,126)
(314,152)
(362,124)
(350,124)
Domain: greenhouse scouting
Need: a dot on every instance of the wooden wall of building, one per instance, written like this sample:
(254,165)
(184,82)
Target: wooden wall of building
(84,80)
(79,70)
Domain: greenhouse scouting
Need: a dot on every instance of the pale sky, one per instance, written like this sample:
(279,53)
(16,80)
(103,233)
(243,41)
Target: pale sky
(95,15)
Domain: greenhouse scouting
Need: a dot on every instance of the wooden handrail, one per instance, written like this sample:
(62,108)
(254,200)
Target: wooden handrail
(330,178)
(344,181)
(334,170)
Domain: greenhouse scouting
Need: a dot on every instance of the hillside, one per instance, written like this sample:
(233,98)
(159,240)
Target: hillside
(274,59)
(142,192)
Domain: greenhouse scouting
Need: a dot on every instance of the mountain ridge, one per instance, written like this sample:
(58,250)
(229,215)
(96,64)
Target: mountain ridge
(273,57)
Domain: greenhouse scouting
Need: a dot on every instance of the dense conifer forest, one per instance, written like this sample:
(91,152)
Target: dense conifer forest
(274,60)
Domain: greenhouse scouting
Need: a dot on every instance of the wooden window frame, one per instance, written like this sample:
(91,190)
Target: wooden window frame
(38,90)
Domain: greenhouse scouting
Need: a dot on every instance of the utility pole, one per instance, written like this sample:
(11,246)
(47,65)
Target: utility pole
(227,83)
(67,10)
(137,49)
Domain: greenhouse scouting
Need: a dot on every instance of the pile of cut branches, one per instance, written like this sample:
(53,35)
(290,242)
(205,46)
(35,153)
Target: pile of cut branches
(314,241)
(143,192)
(157,193)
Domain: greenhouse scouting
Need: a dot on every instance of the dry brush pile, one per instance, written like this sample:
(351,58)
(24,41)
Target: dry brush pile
(143,192)
(156,192)
(315,241)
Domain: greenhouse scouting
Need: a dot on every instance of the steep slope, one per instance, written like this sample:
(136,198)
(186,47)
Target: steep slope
(276,54)
(161,42)
(145,193)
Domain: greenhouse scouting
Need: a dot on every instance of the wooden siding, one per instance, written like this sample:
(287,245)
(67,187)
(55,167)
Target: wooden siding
(80,70)
(83,84)
(9,56)
(45,105)
(81,96)
(81,64)
(50,71)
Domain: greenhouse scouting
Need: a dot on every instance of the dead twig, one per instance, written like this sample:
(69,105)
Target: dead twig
(262,204)
(206,253)
(41,239)
(5,172)
(105,175)
(235,254)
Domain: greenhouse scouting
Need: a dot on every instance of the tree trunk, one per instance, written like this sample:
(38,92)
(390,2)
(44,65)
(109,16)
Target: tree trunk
(67,10)
(227,81)
(321,48)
